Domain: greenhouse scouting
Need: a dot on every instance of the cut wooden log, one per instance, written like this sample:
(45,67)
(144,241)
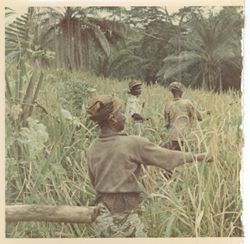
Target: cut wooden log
(63,214)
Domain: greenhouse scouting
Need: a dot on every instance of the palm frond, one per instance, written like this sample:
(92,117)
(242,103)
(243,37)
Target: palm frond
(17,34)
(182,57)
(174,64)
(9,12)
(101,39)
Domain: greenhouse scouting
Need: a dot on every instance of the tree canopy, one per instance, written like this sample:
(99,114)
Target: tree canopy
(196,45)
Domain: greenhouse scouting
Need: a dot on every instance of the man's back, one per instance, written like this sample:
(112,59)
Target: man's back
(179,115)
(112,162)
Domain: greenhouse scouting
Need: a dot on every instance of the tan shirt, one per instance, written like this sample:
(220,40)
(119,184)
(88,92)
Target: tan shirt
(179,116)
(115,162)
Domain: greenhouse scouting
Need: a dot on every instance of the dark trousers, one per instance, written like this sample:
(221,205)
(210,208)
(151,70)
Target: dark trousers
(173,145)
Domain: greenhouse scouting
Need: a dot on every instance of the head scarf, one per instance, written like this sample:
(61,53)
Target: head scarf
(103,107)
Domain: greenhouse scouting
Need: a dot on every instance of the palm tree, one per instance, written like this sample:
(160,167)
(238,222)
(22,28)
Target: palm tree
(123,63)
(210,47)
(152,31)
(77,35)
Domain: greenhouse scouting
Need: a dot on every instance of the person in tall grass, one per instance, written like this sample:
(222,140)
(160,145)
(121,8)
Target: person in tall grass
(115,169)
(134,108)
(179,116)
(134,105)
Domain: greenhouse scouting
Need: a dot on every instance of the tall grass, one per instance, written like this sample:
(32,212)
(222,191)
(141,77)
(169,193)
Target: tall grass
(200,200)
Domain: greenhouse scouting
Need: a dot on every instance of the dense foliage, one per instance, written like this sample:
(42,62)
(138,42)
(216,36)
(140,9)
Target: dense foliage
(46,161)
(54,55)
(196,45)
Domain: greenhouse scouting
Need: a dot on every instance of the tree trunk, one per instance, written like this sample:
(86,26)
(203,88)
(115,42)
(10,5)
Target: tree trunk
(64,214)
(168,16)
(27,100)
(36,93)
(220,82)
(204,85)
(8,90)
(179,46)
(17,87)
(87,56)
(57,43)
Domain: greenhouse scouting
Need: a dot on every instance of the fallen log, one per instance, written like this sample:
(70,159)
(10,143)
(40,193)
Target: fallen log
(63,214)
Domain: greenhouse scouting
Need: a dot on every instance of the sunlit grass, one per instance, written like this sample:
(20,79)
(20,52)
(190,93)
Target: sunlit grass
(200,200)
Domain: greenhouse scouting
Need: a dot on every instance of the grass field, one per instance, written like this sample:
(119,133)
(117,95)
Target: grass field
(46,163)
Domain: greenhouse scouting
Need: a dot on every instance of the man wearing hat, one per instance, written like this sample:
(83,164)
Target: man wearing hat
(179,115)
(134,106)
(115,169)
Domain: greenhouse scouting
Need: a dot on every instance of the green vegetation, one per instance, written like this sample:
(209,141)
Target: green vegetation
(46,163)
(48,72)
(197,45)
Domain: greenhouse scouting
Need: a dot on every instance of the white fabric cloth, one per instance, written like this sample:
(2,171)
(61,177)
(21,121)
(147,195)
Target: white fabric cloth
(134,105)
